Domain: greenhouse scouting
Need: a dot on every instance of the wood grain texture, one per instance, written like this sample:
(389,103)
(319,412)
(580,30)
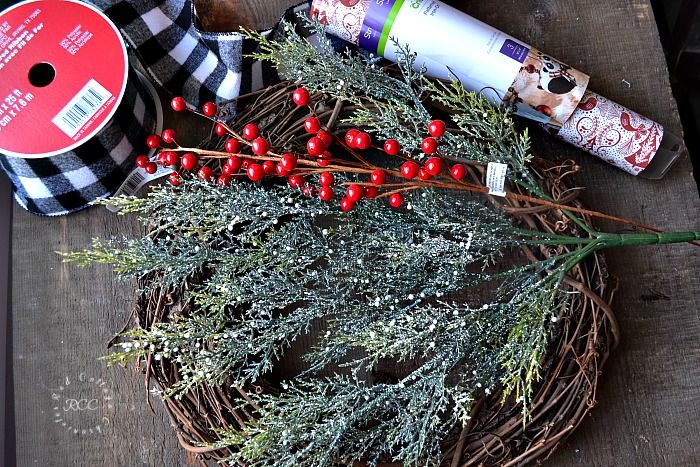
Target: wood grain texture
(63,318)
(227,15)
(649,395)
(7,411)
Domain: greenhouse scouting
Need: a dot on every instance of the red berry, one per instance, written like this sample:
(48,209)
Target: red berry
(269,167)
(281,171)
(312,125)
(153,141)
(309,191)
(224,180)
(378,177)
(228,170)
(232,145)
(362,140)
(409,169)
(260,146)
(424,174)
(325,159)
(142,161)
(168,135)
(251,131)
(296,181)
(171,158)
(288,162)
(326,193)
(209,109)
(220,129)
(301,96)
(205,173)
(396,200)
(315,146)
(371,192)
(326,137)
(392,147)
(326,179)
(234,162)
(434,166)
(346,204)
(245,163)
(429,145)
(178,104)
(436,128)
(458,171)
(355,192)
(175,179)
(350,137)
(255,172)
(151,168)
(189,161)
(162,158)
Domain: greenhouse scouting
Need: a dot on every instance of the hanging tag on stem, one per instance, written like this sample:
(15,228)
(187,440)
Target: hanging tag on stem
(496,178)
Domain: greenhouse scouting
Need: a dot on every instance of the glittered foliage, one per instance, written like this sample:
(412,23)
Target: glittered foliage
(264,266)
(260,265)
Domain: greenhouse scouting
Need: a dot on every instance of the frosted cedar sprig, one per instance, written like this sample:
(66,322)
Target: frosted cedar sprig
(384,282)
(394,107)
(256,266)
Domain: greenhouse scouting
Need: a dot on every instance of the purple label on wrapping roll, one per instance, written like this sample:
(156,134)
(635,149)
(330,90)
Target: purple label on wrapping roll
(515,51)
(373,24)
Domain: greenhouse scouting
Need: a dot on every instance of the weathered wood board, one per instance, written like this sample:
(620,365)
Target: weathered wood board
(648,396)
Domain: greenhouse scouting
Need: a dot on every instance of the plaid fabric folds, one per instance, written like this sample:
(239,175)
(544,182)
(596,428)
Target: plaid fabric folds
(185,61)
(177,56)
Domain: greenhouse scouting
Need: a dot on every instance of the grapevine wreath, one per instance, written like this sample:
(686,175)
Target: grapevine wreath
(328,280)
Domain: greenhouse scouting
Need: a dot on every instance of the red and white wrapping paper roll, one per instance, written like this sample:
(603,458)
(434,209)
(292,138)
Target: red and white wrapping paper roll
(483,58)
(613,133)
(508,72)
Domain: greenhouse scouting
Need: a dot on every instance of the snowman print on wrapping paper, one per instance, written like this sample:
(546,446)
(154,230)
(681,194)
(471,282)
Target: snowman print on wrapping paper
(555,76)
(546,90)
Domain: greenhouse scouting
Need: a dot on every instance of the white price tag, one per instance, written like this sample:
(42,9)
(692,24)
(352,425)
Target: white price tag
(496,178)
(137,179)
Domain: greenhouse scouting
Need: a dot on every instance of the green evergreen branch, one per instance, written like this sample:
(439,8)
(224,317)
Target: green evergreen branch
(270,278)
(257,267)
(393,108)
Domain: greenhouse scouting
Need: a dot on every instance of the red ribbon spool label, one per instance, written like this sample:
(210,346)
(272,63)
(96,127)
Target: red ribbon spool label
(63,72)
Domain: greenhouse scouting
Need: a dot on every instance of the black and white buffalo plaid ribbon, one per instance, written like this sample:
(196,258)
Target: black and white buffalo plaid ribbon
(68,182)
(186,61)
(177,56)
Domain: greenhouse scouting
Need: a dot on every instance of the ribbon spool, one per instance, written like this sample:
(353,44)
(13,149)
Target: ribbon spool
(73,113)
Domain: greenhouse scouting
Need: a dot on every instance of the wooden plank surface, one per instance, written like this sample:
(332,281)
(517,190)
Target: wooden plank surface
(648,395)
(63,318)
(7,411)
